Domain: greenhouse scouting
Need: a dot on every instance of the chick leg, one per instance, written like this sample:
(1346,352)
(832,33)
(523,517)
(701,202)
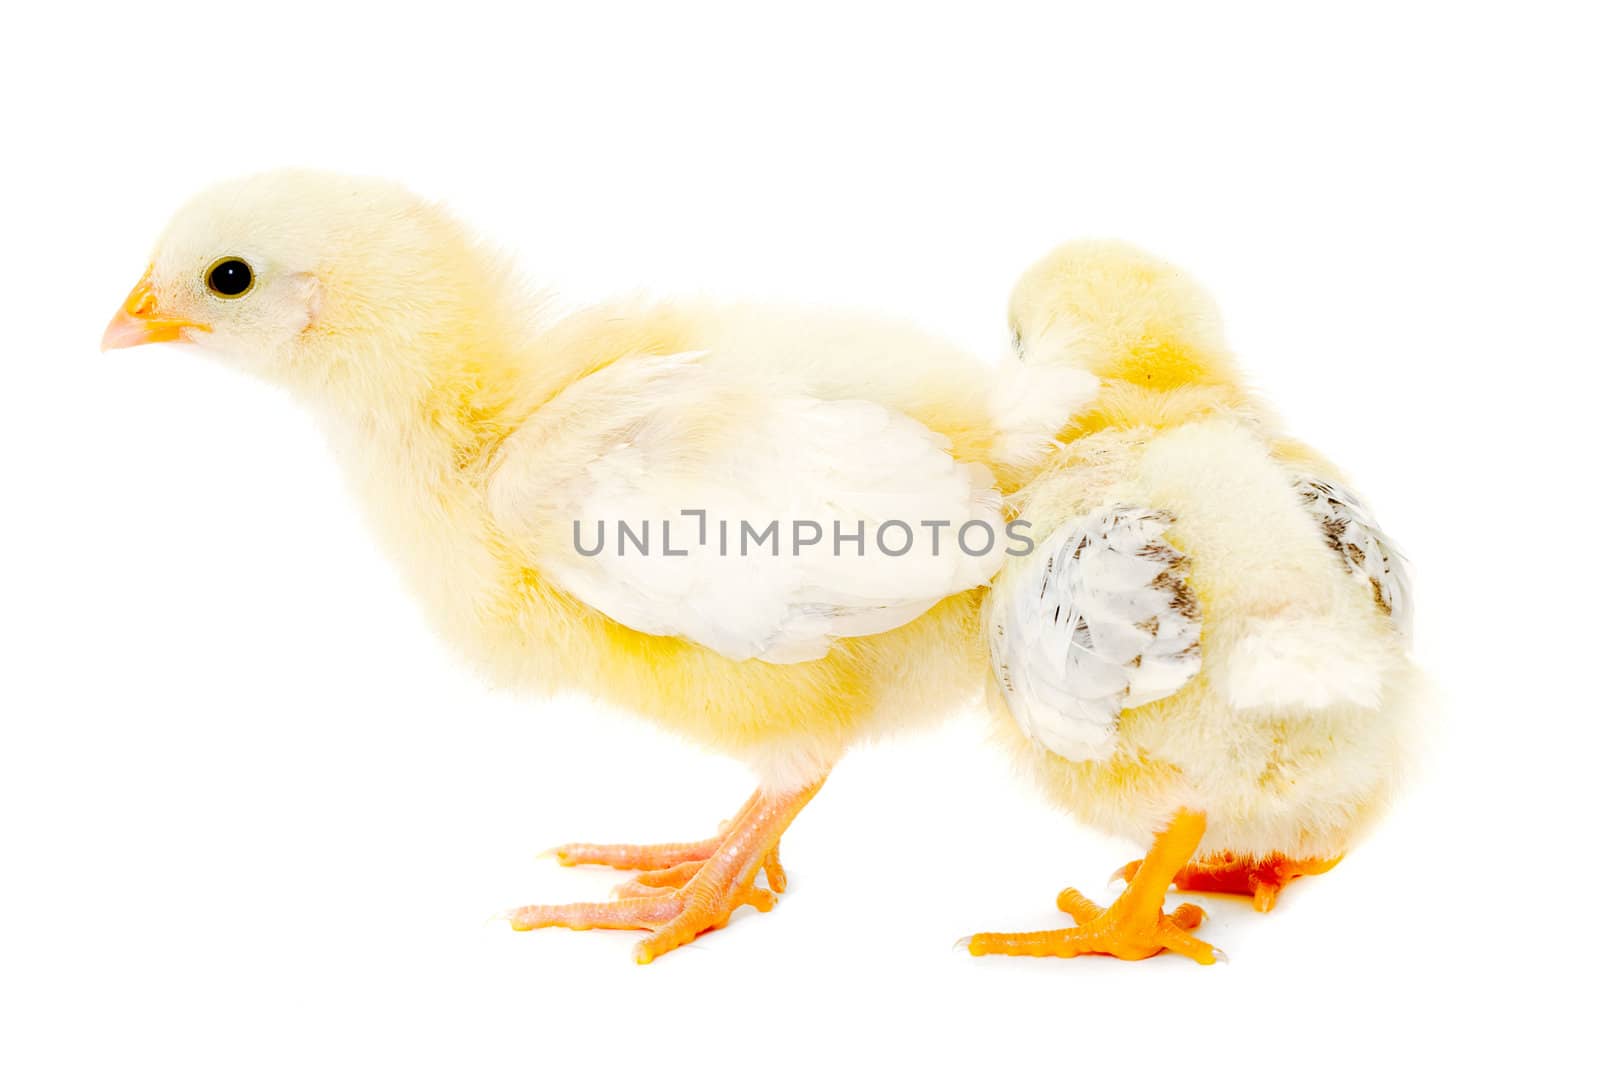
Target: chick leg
(1260,879)
(707,894)
(1134,927)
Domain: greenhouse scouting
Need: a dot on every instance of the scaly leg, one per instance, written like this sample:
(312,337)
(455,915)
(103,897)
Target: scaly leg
(687,896)
(1260,879)
(1134,927)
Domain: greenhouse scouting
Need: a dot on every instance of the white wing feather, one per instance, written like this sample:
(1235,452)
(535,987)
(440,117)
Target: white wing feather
(1098,619)
(663,436)
(1368,552)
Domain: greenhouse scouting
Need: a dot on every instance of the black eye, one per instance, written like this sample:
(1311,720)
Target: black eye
(230,277)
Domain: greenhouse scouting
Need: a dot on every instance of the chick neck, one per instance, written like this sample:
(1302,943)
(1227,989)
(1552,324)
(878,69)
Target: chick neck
(438,388)
(418,443)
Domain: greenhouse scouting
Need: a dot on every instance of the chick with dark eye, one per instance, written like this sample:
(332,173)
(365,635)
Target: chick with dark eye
(230,277)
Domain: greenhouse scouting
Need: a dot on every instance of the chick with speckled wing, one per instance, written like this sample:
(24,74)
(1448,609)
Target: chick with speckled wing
(1208,653)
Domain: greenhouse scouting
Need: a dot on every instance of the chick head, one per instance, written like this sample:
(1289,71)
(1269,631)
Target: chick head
(1117,312)
(302,275)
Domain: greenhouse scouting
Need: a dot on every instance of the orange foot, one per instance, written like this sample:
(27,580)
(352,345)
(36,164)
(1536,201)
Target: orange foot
(1134,927)
(1261,880)
(687,889)
(1106,932)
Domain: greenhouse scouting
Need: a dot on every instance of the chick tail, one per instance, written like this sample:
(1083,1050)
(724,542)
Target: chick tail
(1286,626)
(1304,663)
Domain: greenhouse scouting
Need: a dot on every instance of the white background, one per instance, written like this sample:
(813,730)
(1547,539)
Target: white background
(253,812)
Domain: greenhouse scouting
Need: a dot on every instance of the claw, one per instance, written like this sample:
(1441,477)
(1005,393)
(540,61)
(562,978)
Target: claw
(1124,874)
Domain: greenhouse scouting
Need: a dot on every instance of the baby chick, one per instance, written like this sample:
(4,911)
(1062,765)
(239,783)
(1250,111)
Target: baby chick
(716,454)
(1208,647)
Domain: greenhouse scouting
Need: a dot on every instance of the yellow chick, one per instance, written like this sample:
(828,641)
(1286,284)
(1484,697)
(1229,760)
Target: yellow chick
(1208,646)
(717,516)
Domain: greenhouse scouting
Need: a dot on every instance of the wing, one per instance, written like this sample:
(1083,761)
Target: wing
(1099,618)
(1367,551)
(747,517)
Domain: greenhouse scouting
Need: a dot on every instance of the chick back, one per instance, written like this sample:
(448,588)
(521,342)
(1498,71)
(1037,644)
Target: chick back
(1293,731)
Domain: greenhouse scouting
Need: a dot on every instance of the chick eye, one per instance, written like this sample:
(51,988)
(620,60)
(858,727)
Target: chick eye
(1016,340)
(230,277)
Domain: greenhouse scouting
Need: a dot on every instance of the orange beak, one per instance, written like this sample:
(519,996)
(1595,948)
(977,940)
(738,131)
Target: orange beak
(140,323)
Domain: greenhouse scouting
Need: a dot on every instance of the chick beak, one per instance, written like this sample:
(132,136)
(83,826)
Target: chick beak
(139,321)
